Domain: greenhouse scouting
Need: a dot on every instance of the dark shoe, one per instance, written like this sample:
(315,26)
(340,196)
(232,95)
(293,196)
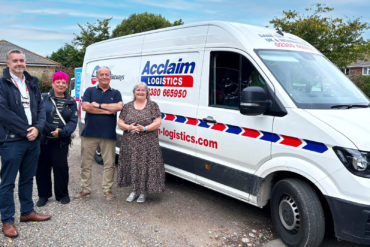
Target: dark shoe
(109,195)
(9,230)
(35,217)
(82,194)
(65,200)
(42,201)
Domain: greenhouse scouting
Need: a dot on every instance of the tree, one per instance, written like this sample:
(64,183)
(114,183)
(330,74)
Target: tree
(138,23)
(71,55)
(91,33)
(68,56)
(337,39)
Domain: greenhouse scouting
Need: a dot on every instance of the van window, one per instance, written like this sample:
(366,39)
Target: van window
(230,73)
(312,81)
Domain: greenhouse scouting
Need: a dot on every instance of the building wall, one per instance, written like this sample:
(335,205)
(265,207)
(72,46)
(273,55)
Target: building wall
(355,71)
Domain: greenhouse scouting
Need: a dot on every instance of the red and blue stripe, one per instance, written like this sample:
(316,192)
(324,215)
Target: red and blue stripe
(251,133)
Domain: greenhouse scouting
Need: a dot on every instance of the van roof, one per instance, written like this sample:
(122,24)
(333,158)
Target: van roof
(193,36)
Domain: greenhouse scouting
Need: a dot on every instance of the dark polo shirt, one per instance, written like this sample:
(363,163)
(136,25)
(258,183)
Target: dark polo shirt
(101,125)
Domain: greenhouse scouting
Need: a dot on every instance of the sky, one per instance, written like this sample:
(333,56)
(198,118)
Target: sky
(45,26)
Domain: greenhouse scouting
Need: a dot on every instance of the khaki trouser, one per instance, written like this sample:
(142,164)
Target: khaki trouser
(88,148)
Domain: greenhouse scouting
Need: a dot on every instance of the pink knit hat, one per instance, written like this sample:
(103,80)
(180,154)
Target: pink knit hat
(60,75)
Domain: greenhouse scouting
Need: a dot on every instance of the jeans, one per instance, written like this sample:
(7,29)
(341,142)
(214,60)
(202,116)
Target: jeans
(17,156)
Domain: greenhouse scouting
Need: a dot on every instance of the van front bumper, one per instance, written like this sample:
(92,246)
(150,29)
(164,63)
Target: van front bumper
(351,220)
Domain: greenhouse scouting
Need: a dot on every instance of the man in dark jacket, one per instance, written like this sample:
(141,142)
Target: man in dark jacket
(22,118)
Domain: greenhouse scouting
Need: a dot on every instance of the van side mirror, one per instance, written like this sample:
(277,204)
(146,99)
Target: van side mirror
(254,101)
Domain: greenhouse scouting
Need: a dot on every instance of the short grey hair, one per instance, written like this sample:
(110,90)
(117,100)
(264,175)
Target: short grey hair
(146,89)
(15,51)
(104,67)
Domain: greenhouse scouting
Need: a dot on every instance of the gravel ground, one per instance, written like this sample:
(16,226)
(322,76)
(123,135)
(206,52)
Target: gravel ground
(184,215)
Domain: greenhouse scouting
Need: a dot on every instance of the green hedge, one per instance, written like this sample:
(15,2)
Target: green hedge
(363,82)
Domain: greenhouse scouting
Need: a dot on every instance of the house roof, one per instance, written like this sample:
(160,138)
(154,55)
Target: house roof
(31,57)
(360,63)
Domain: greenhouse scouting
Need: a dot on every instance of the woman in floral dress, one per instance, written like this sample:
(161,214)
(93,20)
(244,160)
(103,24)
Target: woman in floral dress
(140,161)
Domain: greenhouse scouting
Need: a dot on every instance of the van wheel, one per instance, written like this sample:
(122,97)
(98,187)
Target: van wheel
(297,214)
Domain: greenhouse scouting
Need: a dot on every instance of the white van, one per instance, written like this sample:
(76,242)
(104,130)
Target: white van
(256,114)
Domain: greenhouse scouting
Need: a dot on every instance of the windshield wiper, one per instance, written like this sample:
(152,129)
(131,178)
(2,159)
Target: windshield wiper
(349,106)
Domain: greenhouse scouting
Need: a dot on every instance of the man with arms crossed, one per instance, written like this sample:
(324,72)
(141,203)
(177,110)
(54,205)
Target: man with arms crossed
(101,104)
(22,118)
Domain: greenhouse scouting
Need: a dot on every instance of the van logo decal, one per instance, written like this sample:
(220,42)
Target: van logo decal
(114,77)
(168,74)
(251,133)
(93,75)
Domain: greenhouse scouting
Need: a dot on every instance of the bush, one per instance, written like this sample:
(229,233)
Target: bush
(363,82)
(366,79)
(45,86)
(358,80)
(366,87)
(45,82)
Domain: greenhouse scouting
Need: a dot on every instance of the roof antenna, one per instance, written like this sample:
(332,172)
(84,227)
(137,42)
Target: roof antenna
(279,32)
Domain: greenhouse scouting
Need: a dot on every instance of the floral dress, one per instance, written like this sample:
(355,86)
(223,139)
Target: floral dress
(140,159)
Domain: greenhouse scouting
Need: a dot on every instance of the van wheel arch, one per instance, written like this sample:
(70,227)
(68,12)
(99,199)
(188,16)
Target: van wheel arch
(265,192)
(297,214)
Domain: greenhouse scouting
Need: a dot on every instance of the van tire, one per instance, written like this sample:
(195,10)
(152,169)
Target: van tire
(297,214)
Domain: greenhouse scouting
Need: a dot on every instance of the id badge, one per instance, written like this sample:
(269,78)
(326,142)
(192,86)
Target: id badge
(26,104)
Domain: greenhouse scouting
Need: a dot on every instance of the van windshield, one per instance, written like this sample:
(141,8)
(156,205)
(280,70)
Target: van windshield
(312,81)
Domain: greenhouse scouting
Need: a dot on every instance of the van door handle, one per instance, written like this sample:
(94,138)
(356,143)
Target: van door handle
(209,119)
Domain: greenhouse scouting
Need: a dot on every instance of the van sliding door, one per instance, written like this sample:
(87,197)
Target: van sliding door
(231,146)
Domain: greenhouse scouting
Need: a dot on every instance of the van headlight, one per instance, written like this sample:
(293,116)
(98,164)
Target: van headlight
(356,161)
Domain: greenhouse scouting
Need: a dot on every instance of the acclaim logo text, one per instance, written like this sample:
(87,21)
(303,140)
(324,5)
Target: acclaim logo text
(168,74)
